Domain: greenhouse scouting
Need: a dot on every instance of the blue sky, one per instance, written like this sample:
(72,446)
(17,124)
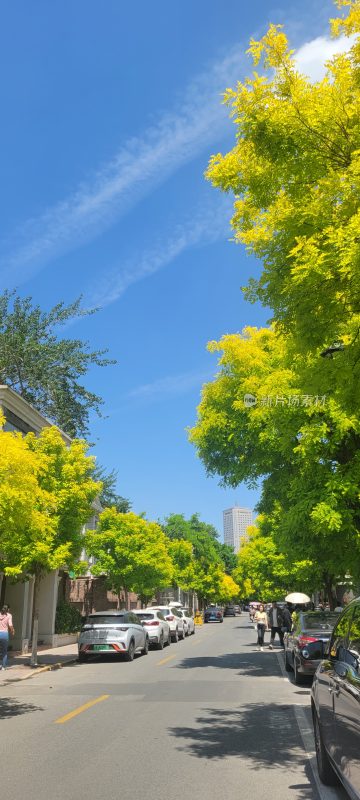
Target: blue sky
(110,112)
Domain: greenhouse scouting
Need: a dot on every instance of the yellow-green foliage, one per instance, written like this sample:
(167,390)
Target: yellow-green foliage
(46,491)
(295,175)
(132,552)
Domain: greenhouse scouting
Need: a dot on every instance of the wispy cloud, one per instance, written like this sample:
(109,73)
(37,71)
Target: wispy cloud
(207,225)
(171,385)
(141,164)
(312,56)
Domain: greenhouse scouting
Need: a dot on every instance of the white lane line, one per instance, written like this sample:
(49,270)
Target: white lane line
(307,737)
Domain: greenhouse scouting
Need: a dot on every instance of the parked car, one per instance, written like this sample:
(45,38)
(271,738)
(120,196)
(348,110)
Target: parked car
(156,626)
(229,611)
(188,621)
(213,614)
(311,628)
(335,704)
(175,620)
(237,609)
(113,633)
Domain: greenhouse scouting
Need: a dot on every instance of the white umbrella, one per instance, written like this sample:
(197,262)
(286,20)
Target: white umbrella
(297,597)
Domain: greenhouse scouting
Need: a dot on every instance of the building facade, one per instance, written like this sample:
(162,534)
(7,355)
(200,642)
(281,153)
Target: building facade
(236,522)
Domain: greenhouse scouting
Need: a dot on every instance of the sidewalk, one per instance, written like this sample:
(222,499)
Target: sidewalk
(19,665)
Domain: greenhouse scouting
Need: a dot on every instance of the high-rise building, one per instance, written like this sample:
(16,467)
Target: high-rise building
(236,521)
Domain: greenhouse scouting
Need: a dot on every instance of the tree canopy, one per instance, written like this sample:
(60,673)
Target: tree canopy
(278,411)
(45,369)
(132,552)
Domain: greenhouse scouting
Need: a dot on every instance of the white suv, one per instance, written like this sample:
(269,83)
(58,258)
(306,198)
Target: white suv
(156,626)
(188,620)
(175,619)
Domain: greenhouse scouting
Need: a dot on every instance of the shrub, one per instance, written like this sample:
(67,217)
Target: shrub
(68,618)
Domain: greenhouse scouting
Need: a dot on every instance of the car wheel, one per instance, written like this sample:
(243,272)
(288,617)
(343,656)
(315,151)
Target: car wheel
(288,666)
(145,649)
(221,620)
(129,656)
(187,632)
(160,643)
(169,640)
(326,772)
(183,634)
(193,631)
(175,637)
(298,678)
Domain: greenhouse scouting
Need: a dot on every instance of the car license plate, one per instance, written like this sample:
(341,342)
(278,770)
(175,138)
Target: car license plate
(102,647)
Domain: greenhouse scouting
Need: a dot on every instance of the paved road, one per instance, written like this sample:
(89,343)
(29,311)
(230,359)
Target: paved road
(207,718)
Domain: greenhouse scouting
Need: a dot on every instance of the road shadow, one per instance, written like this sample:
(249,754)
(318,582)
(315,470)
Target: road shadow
(9,707)
(261,664)
(261,735)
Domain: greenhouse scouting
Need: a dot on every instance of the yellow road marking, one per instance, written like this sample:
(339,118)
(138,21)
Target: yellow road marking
(164,660)
(79,710)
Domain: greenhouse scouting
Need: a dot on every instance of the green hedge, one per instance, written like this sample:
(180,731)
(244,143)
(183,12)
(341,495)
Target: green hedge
(68,619)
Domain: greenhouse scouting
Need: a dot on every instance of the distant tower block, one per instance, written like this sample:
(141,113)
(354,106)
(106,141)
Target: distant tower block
(236,521)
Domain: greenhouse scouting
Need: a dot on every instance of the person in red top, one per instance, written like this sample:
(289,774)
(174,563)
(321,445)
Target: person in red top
(6,627)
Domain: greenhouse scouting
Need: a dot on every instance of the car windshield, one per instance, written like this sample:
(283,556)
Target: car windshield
(106,619)
(144,614)
(319,620)
(186,612)
(212,610)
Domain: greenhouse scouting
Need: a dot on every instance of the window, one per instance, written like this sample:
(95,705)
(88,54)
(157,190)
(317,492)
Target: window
(353,651)
(145,615)
(338,642)
(319,620)
(161,616)
(106,619)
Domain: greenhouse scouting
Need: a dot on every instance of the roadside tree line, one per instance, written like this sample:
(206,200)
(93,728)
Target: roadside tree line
(283,410)
(47,488)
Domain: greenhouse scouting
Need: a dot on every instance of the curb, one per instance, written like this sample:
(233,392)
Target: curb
(47,668)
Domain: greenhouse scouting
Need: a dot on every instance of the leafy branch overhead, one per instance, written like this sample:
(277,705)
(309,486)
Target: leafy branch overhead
(45,369)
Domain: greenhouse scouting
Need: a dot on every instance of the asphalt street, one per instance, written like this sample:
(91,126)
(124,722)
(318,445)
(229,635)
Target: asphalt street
(207,718)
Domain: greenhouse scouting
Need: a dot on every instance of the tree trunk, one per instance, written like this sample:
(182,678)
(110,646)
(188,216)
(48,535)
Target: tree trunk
(35,622)
(328,583)
(3,590)
(119,599)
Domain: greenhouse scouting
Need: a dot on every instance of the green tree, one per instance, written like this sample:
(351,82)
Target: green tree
(109,498)
(132,552)
(264,573)
(305,453)
(45,369)
(228,557)
(295,175)
(59,489)
(208,566)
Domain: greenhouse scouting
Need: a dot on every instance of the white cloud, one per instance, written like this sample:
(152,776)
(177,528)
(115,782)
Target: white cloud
(209,224)
(312,56)
(140,165)
(171,385)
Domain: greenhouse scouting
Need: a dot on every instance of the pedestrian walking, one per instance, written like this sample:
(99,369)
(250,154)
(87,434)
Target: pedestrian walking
(261,624)
(287,621)
(6,627)
(275,624)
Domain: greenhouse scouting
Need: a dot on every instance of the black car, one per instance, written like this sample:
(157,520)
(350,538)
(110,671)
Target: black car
(335,704)
(304,644)
(229,611)
(213,614)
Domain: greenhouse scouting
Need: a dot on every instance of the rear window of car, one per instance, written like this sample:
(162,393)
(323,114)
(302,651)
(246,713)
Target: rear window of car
(320,619)
(212,610)
(110,619)
(144,615)
(186,611)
